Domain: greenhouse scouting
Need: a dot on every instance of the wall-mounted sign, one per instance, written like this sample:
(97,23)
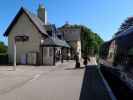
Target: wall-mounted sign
(22,38)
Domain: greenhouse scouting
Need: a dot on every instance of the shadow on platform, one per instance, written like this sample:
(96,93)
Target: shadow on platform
(74,68)
(93,88)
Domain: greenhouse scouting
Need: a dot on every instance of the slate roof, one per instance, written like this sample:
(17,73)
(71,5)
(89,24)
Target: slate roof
(41,27)
(51,27)
(33,18)
(55,42)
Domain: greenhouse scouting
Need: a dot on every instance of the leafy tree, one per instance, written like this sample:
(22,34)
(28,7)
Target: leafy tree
(125,25)
(3,48)
(90,41)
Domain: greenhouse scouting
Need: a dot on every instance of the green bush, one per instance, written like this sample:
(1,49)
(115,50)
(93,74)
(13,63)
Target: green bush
(3,47)
(3,59)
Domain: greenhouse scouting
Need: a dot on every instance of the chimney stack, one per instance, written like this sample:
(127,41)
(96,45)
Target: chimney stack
(42,13)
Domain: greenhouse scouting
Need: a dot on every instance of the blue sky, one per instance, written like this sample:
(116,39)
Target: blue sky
(102,16)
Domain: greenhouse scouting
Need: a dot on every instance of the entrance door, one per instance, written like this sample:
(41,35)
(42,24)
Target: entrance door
(23,59)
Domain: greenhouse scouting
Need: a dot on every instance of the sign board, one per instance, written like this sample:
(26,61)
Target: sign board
(21,38)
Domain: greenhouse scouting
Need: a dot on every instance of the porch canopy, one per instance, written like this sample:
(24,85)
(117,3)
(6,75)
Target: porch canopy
(55,42)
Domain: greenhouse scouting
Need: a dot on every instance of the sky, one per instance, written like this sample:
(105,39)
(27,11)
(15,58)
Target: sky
(103,17)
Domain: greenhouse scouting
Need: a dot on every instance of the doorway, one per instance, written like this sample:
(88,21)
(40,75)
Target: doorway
(23,59)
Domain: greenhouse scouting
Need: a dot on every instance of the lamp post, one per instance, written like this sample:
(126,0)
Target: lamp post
(42,42)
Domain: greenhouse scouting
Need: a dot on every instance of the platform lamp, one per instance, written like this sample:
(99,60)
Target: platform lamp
(42,42)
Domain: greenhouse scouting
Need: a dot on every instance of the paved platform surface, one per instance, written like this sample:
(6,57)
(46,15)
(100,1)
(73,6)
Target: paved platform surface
(61,82)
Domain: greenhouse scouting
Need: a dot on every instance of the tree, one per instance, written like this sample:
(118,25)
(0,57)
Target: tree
(3,48)
(98,42)
(90,41)
(87,41)
(125,25)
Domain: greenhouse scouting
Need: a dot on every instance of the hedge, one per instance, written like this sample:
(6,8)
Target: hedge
(3,59)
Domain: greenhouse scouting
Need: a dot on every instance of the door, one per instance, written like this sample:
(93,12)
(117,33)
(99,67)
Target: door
(23,59)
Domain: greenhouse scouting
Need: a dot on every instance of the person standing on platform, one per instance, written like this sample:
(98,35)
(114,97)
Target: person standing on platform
(77,65)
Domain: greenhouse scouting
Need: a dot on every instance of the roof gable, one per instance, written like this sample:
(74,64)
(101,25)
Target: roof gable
(33,18)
